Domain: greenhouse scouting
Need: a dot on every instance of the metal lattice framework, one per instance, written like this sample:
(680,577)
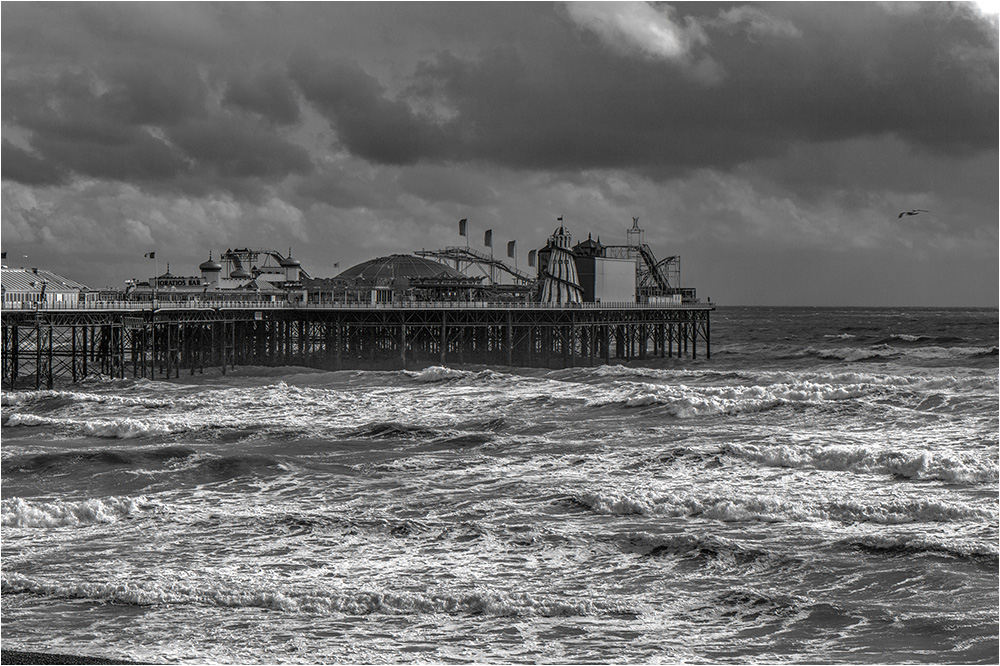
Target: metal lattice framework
(464,258)
(653,278)
(39,348)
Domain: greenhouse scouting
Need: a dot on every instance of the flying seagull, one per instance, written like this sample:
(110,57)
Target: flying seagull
(915,211)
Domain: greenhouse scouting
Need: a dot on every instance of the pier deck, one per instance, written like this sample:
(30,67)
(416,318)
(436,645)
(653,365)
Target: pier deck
(137,340)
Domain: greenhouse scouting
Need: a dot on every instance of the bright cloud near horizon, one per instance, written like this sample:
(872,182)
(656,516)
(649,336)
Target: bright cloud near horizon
(772,146)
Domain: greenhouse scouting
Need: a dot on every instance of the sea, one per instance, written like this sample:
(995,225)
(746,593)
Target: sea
(823,489)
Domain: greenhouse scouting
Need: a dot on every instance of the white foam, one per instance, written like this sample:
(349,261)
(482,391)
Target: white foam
(952,545)
(126,428)
(119,428)
(480,601)
(772,508)
(909,463)
(30,420)
(437,373)
(18,512)
(726,509)
(900,511)
(853,354)
(685,401)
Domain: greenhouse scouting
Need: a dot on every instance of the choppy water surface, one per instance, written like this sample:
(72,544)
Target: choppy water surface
(823,489)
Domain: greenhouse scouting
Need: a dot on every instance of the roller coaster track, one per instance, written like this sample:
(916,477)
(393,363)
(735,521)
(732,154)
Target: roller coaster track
(651,272)
(469,256)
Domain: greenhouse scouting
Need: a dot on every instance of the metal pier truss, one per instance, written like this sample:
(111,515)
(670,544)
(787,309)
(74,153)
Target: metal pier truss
(41,347)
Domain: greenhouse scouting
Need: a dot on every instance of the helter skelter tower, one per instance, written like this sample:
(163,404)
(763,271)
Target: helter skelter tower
(560,283)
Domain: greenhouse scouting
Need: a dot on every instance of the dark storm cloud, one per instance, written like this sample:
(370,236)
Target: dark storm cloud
(533,86)
(164,96)
(129,154)
(368,123)
(131,125)
(268,93)
(23,167)
(232,148)
(749,84)
(928,76)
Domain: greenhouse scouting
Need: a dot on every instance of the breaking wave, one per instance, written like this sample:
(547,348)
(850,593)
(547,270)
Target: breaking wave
(857,379)
(348,602)
(727,509)
(48,399)
(916,545)
(911,464)
(684,401)
(118,428)
(885,351)
(18,512)
(904,338)
(775,509)
(438,373)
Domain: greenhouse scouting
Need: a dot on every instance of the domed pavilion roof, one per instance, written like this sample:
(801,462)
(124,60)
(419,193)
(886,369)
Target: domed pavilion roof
(210,266)
(399,266)
(289,261)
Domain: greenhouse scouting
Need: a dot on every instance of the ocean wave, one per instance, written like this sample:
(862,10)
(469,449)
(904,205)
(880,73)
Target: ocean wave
(854,380)
(14,398)
(854,354)
(910,464)
(683,401)
(726,509)
(391,430)
(884,351)
(117,428)
(917,545)
(743,600)
(438,373)
(901,511)
(114,428)
(126,428)
(51,399)
(233,466)
(18,512)
(872,381)
(348,602)
(28,420)
(71,460)
(775,509)
(906,338)
(715,549)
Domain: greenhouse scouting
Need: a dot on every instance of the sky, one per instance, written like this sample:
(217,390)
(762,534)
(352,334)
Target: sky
(771,146)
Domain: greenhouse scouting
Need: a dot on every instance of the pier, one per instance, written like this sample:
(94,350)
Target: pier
(146,340)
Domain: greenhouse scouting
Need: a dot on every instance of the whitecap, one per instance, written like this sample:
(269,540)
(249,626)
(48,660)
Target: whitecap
(18,512)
